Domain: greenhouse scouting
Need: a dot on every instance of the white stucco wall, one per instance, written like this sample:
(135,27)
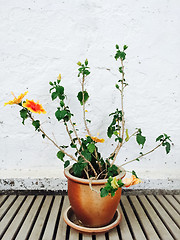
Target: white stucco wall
(40,39)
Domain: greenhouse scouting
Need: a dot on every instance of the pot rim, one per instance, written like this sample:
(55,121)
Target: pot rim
(68,175)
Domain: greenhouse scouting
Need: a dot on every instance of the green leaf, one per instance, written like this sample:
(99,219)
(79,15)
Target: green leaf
(120,183)
(159,138)
(168,147)
(24,114)
(110,131)
(112,171)
(91,147)
(140,139)
(43,135)
(60,114)
(86,62)
(50,83)
(60,155)
(73,145)
(61,103)
(60,90)
(118,139)
(78,168)
(87,120)
(104,192)
(79,63)
(86,154)
(134,173)
(36,124)
(66,164)
(80,97)
(137,159)
(117,46)
(125,47)
(54,95)
(117,86)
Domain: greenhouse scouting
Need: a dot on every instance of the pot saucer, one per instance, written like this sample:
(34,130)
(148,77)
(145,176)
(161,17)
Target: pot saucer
(71,220)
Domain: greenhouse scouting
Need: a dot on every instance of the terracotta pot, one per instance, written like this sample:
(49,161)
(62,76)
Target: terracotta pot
(89,207)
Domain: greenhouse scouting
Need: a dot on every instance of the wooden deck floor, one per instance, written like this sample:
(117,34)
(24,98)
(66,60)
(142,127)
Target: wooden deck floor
(40,217)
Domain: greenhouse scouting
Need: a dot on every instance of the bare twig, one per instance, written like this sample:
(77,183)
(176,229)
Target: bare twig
(142,155)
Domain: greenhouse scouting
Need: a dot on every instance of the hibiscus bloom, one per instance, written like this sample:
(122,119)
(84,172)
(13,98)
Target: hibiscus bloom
(33,107)
(96,139)
(16,100)
(131,181)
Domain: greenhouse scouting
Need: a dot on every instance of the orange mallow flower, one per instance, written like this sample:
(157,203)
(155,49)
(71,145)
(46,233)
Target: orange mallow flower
(95,139)
(16,100)
(131,181)
(33,107)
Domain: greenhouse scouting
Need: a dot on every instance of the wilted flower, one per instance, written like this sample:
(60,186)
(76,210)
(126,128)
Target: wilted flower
(131,181)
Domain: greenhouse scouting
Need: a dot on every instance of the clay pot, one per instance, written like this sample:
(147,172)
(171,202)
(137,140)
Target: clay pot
(89,207)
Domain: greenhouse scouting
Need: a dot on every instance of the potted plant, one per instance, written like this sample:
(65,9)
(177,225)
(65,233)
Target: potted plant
(94,182)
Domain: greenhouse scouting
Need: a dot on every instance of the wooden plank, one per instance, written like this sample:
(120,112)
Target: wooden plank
(36,231)
(2,197)
(5,206)
(177,198)
(113,234)
(61,231)
(157,223)
(171,211)
(171,226)
(49,230)
(18,218)
(73,234)
(173,202)
(100,236)
(136,228)
(10,214)
(147,226)
(124,229)
(23,232)
(86,236)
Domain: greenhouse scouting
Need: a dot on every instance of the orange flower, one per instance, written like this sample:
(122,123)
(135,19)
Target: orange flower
(16,100)
(95,139)
(34,107)
(131,181)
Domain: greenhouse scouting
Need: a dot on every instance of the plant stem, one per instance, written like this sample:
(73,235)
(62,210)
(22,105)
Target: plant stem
(84,118)
(62,150)
(79,151)
(142,155)
(84,112)
(116,151)
(75,132)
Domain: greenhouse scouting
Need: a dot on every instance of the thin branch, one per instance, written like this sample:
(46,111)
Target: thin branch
(142,155)
(75,132)
(62,150)
(123,119)
(80,152)
(84,112)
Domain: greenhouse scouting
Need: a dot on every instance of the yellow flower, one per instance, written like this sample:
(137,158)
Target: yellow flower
(86,110)
(59,77)
(114,183)
(95,139)
(34,107)
(16,100)
(131,181)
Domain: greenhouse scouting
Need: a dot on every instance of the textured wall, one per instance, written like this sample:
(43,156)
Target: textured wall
(40,39)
